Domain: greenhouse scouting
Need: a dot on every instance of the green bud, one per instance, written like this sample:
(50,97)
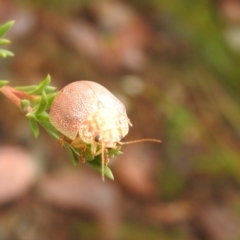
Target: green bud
(24,104)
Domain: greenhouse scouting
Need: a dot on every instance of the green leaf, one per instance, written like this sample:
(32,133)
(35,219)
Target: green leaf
(74,155)
(5,27)
(115,152)
(5,53)
(33,125)
(41,86)
(50,89)
(24,104)
(4,41)
(42,105)
(43,119)
(50,98)
(54,134)
(108,173)
(30,88)
(96,164)
(26,88)
(87,154)
(3,83)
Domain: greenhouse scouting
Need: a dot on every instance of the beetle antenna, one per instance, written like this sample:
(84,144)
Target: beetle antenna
(141,140)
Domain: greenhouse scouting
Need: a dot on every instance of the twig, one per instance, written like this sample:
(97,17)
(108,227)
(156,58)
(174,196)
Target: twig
(11,94)
(23,95)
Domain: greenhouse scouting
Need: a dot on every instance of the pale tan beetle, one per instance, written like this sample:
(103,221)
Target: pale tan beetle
(87,113)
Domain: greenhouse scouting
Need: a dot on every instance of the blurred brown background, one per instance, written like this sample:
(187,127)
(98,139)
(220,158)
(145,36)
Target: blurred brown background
(175,65)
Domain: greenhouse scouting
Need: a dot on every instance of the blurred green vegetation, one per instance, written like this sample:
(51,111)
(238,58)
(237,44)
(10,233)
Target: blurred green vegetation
(201,25)
(208,110)
(134,231)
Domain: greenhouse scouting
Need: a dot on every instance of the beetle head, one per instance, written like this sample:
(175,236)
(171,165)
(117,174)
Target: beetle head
(104,129)
(104,126)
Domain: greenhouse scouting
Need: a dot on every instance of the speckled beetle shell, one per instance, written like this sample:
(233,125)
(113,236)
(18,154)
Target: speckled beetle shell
(87,110)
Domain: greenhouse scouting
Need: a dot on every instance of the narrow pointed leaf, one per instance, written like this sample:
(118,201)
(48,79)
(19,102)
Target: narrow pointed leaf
(4,41)
(50,89)
(34,126)
(87,154)
(26,88)
(5,53)
(73,155)
(5,27)
(31,88)
(42,105)
(54,134)
(50,98)
(96,164)
(41,86)
(43,119)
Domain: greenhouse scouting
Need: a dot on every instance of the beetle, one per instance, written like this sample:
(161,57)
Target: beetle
(88,113)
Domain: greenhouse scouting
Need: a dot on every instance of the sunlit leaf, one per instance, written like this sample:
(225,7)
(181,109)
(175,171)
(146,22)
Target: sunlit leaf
(5,27)
(5,53)
(4,41)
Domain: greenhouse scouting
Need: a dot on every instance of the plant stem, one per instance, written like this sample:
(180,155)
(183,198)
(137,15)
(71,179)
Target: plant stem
(14,96)
(23,95)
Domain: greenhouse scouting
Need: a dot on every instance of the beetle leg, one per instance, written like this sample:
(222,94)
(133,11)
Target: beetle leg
(61,140)
(78,143)
(106,156)
(94,149)
(104,160)
(82,148)
(81,157)
(129,122)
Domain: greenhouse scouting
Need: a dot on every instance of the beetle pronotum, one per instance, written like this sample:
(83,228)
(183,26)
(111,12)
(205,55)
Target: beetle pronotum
(87,113)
